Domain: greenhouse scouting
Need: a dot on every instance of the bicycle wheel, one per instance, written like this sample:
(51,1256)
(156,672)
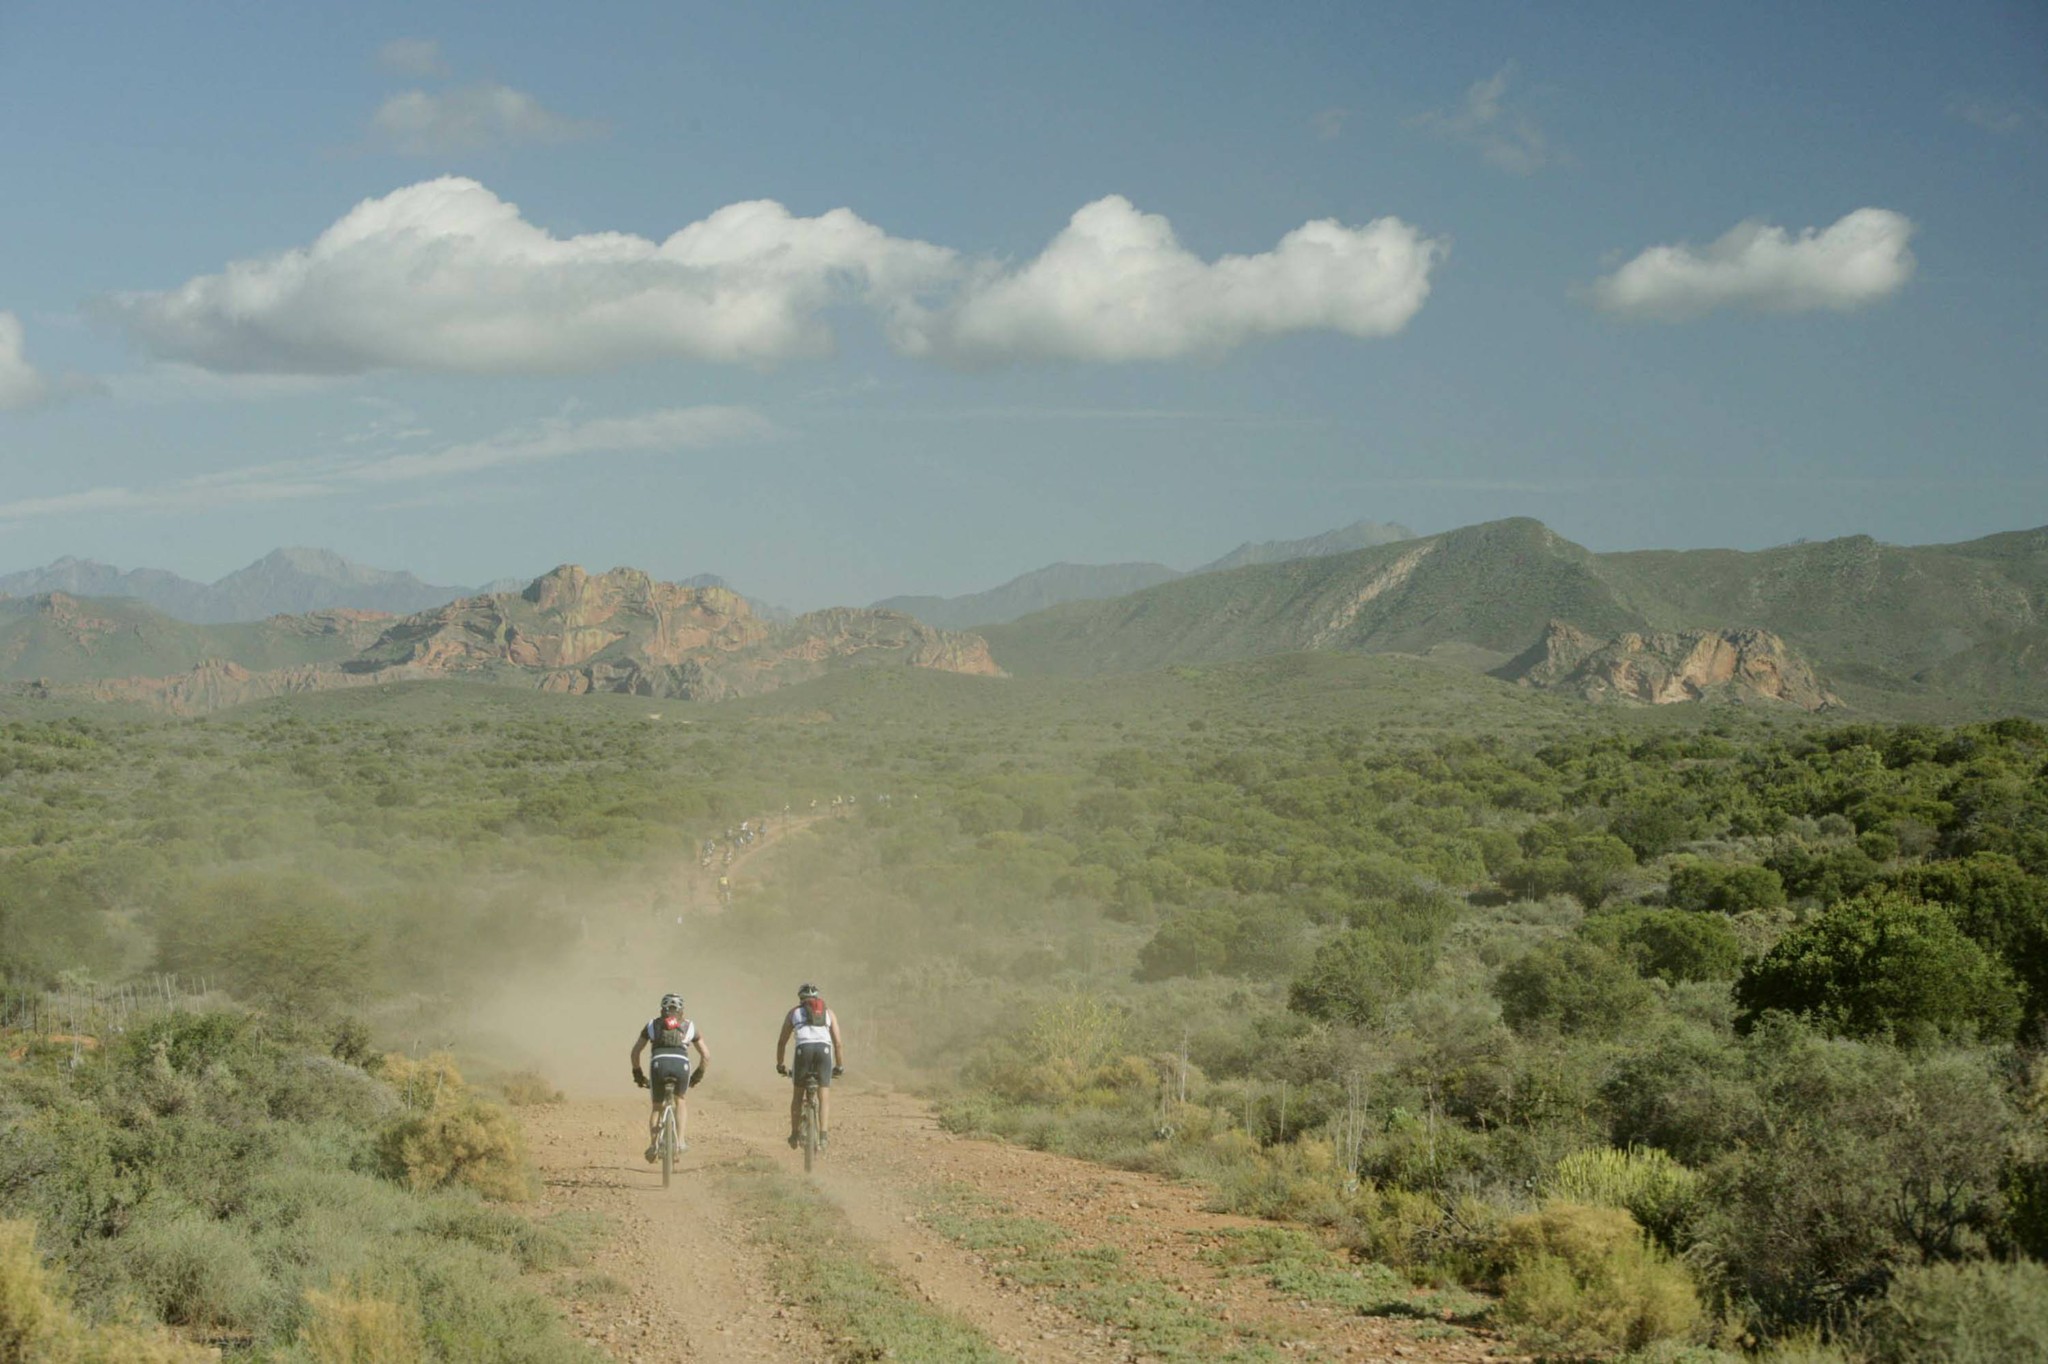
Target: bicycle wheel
(668,1140)
(810,1125)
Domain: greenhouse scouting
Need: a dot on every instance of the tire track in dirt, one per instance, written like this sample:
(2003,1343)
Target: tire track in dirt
(698,1289)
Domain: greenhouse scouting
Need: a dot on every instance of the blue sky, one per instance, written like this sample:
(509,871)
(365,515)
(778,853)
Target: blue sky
(1074,282)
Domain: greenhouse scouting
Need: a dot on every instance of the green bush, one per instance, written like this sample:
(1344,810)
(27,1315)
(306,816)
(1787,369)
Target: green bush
(1884,964)
(1977,1313)
(192,1270)
(1671,945)
(1570,987)
(1358,973)
(37,1325)
(1714,888)
(1588,1279)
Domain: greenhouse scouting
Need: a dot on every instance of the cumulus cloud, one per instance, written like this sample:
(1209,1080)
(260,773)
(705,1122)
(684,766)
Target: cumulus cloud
(1508,138)
(21,384)
(667,429)
(412,57)
(1858,261)
(473,118)
(1117,285)
(445,276)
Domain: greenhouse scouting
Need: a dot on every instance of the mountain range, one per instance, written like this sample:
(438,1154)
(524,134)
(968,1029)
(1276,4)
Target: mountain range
(1933,631)
(567,631)
(283,582)
(1059,583)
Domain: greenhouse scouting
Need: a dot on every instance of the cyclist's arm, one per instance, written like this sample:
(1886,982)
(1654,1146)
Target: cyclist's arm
(838,1052)
(639,1045)
(782,1042)
(703,1052)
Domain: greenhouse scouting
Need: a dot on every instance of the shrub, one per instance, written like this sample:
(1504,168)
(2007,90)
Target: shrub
(1356,974)
(1883,964)
(1588,1278)
(466,1142)
(1980,1313)
(1670,944)
(192,1270)
(1644,1182)
(1708,887)
(1570,987)
(353,1326)
(526,1088)
(37,1325)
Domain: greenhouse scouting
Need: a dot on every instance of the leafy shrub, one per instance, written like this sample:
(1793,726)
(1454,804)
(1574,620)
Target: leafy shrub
(37,1325)
(1358,973)
(1979,1313)
(1884,964)
(467,1142)
(1588,1278)
(191,1269)
(1862,1160)
(1570,987)
(1643,1181)
(1672,945)
(1711,887)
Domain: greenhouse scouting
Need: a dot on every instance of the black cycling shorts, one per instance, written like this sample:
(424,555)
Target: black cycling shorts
(814,1058)
(664,1069)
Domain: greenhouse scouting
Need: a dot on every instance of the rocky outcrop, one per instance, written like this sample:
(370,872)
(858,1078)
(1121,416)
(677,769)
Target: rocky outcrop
(1662,667)
(569,632)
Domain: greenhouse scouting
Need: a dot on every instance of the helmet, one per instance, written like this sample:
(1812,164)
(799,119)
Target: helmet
(671,1003)
(806,991)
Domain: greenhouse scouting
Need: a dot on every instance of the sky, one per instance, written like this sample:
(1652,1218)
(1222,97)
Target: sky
(845,301)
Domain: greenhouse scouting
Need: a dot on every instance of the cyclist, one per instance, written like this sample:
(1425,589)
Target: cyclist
(671,1033)
(818,1053)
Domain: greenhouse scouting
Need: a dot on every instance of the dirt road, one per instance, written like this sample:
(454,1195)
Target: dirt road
(688,1275)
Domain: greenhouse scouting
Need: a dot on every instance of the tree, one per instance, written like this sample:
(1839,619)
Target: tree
(1670,944)
(1884,963)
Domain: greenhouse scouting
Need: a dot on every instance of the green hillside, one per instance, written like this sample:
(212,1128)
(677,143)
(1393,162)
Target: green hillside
(1924,631)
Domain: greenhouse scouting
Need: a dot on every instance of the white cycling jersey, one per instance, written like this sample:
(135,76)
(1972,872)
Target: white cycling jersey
(807,1032)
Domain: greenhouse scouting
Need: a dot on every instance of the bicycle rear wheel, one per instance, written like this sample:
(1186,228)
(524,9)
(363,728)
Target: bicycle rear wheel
(668,1141)
(810,1125)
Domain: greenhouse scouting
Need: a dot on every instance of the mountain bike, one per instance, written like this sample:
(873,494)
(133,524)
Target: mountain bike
(667,1139)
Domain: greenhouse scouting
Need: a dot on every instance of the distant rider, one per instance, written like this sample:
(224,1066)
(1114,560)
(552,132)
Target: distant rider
(818,1053)
(671,1033)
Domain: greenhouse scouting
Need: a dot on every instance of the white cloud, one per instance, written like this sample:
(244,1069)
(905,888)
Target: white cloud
(21,384)
(473,118)
(2000,116)
(412,57)
(1116,285)
(445,276)
(1507,138)
(668,429)
(1329,123)
(1858,261)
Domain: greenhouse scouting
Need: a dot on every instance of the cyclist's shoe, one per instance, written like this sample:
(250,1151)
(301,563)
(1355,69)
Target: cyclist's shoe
(653,1154)
(795,1140)
(681,1146)
(824,1138)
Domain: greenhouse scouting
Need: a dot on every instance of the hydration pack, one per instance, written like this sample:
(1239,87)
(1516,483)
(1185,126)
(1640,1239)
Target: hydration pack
(810,1013)
(673,1033)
